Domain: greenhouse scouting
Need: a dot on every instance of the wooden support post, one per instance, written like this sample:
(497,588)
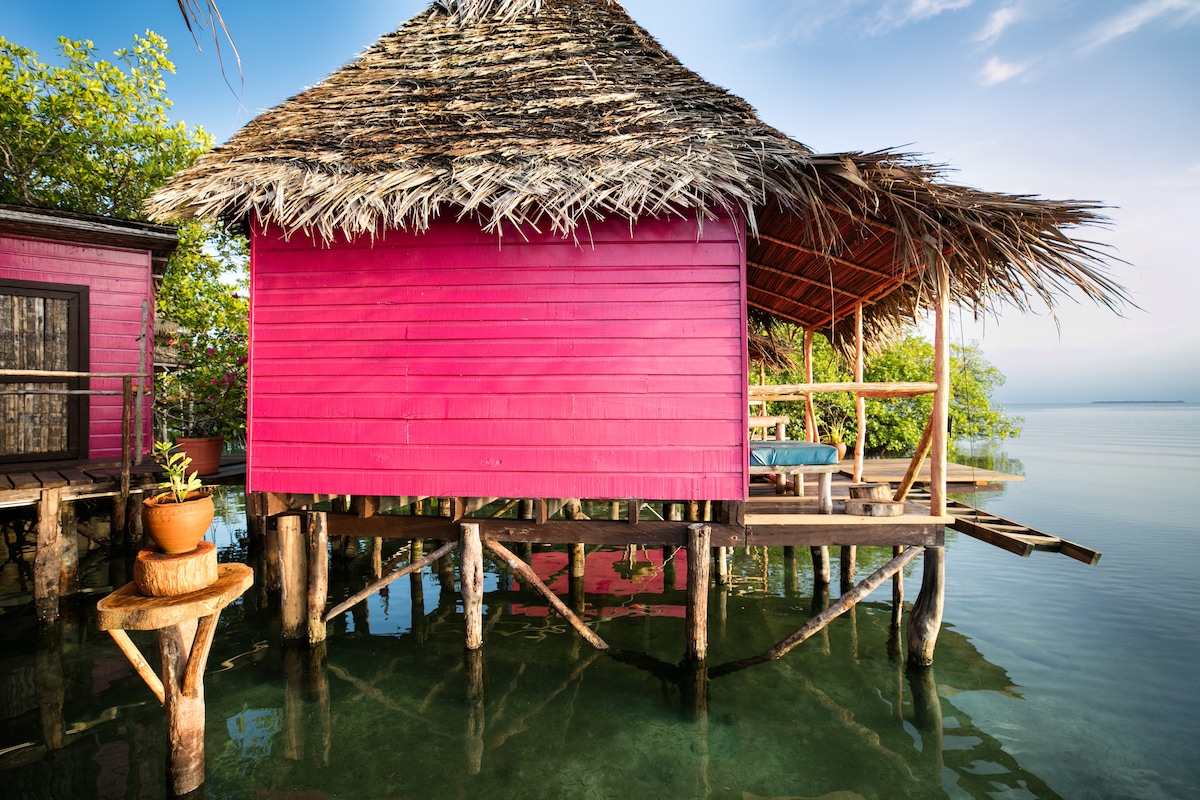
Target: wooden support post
(377,557)
(316,526)
(820,559)
(471,581)
(68,570)
(48,556)
(633,512)
(185,712)
(272,565)
(126,429)
(941,398)
(848,565)
(577,559)
(925,619)
(696,614)
(897,593)
(577,563)
(475,715)
(50,683)
(810,411)
(134,537)
(860,402)
(721,557)
(293,571)
(791,577)
(118,537)
(527,510)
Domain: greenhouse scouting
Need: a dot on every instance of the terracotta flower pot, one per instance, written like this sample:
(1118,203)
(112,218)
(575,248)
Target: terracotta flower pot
(205,453)
(177,527)
(840,447)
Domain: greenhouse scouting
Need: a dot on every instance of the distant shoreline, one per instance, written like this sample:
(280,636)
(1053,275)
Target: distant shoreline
(1136,402)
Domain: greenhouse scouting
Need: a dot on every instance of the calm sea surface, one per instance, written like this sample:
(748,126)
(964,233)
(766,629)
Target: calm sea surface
(1053,679)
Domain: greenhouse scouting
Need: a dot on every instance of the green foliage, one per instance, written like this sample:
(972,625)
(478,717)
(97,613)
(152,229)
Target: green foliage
(92,136)
(205,294)
(89,135)
(175,465)
(895,426)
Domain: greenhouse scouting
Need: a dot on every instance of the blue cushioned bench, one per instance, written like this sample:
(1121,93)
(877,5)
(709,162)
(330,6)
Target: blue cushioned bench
(797,459)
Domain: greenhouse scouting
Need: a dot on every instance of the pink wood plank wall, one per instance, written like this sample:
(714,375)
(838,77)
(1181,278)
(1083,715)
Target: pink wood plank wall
(454,364)
(119,280)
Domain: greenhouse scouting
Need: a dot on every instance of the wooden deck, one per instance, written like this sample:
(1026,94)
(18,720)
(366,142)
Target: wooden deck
(891,470)
(22,485)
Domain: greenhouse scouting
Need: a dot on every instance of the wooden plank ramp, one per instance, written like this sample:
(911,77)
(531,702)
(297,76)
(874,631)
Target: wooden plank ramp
(1007,534)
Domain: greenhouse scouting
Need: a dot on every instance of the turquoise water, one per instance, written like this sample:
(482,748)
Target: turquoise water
(1053,679)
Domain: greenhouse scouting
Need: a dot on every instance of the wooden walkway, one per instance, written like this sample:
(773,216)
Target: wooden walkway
(958,476)
(22,485)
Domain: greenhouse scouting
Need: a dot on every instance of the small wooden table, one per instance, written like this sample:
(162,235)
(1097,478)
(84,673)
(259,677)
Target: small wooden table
(186,624)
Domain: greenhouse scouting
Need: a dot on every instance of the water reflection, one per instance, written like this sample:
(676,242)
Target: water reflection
(391,706)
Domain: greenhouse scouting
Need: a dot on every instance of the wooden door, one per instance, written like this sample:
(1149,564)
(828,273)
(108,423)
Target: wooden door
(43,327)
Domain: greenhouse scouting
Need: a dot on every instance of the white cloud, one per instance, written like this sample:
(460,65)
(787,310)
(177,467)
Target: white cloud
(996,71)
(805,19)
(1136,17)
(999,21)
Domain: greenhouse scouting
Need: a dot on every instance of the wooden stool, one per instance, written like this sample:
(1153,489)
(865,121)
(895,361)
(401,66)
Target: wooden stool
(186,624)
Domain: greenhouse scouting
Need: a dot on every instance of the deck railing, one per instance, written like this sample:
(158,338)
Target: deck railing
(803,392)
(132,420)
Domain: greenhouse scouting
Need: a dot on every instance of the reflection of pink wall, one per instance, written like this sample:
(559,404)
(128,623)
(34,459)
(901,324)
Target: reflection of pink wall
(118,281)
(604,575)
(453,363)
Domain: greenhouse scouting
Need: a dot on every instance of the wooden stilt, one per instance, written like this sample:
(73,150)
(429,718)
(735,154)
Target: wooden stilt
(669,574)
(272,565)
(939,420)
(848,566)
(376,557)
(445,570)
(897,593)
(68,571)
(317,592)
(576,557)
(791,577)
(721,562)
(471,582)
(696,615)
(925,619)
(135,538)
(184,711)
(416,596)
(293,572)
(476,721)
(820,559)
(51,686)
(48,556)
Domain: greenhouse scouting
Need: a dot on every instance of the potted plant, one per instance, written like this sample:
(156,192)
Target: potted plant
(837,435)
(201,400)
(177,519)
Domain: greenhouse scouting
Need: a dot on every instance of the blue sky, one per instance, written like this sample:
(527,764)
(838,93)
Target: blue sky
(1083,99)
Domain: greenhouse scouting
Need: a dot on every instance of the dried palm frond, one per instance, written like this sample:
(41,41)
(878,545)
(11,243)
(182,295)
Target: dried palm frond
(552,113)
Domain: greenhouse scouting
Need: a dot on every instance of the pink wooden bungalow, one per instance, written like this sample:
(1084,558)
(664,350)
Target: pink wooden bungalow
(76,296)
(510,251)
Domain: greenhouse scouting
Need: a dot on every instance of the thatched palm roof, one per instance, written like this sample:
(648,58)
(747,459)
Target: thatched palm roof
(552,113)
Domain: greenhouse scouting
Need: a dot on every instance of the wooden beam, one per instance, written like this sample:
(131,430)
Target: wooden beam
(789,299)
(526,572)
(801,279)
(812,251)
(914,466)
(372,588)
(843,604)
(796,391)
(138,661)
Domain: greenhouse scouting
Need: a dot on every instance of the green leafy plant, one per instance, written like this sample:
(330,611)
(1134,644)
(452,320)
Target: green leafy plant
(836,432)
(179,484)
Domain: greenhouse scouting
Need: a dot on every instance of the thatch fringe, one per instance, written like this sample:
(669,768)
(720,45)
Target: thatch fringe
(553,113)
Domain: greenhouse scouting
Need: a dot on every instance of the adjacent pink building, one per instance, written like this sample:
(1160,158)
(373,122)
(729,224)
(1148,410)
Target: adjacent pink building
(76,295)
